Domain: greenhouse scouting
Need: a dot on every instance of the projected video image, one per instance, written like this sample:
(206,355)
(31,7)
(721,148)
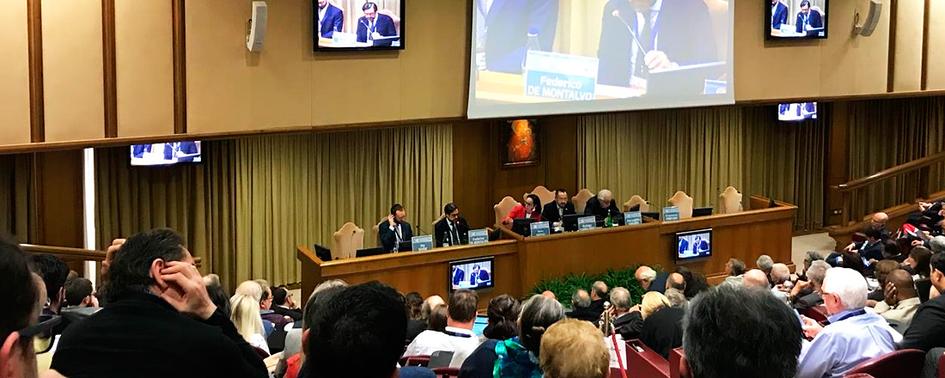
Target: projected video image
(563,56)
(358,24)
(798,111)
(471,274)
(165,153)
(694,244)
(796,18)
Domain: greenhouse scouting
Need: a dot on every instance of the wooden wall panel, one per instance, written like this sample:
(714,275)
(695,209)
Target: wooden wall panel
(72,70)
(853,65)
(936,59)
(145,74)
(14,74)
(908,54)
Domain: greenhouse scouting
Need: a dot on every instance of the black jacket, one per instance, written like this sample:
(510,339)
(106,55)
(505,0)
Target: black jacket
(143,336)
(550,211)
(594,208)
(629,325)
(662,331)
(388,238)
(927,329)
(441,232)
(296,315)
(585,313)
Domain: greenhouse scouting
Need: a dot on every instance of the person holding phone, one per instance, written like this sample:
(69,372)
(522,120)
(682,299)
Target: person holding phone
(394,229)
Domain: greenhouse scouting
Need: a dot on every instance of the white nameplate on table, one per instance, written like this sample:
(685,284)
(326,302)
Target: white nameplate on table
(670,214)
(480,236)
(421,243)
(632,217)
(587,223)
(540,229)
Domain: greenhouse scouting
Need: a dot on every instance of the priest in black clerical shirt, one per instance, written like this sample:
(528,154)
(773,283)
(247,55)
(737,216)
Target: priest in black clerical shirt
(452,229)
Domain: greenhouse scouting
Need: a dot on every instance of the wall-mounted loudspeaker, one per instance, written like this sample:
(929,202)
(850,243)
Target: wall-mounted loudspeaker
(872,19)
(256,27)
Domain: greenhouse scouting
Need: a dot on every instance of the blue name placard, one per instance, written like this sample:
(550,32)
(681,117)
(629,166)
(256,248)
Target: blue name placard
(421,243)
(670,214)
(587,223)
(480,236)
(632,217)
(540,229)
(560,76)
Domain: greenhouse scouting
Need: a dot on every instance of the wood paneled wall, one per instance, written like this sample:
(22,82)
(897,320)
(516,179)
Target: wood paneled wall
(14,93)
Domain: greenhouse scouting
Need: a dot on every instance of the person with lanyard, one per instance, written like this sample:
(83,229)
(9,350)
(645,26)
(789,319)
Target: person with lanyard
(395,229)
(854,334)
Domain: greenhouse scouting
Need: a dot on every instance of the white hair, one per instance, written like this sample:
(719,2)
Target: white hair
(764,262)
(847,284)
(780,273)
(604,193)
(646,273)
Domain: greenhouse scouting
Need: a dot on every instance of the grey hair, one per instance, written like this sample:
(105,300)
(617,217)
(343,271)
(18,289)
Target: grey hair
(813,256)
(327,285)
(620,298)
(764,262)
(580,299)
(676,298)
(538,313)
(817,271)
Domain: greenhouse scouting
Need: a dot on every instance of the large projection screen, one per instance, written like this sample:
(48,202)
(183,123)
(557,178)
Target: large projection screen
(538,57)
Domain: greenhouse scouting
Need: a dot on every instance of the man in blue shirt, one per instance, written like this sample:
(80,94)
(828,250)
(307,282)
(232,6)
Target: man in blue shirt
(855,334)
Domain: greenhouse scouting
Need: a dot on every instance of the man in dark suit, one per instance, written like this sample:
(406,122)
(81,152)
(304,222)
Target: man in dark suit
(459,275)
(808,20)
(187,151)
(779,13)
(330,19)
(155,290)
(394,229)
(927,329)
(374,25)
(555,211)
(509,26)
(452,229)
(581,307)
(279,298)
(602,205)
(678,33)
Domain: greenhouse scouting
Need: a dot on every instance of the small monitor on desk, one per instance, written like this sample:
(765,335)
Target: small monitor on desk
(692,245)
(370,252)
(405,246)
(570,222)
(522,226)
(321,252)
(701,212)
(474,274)
(651,214)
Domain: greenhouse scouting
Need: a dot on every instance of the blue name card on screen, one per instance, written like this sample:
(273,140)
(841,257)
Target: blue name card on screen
(560,76)
(632,217)
(540,228)
(587,223)
(421,243)
(670,214)
(480,236)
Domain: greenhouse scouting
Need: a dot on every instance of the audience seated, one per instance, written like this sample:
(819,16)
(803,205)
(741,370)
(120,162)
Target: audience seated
(650,280)
(458,336)
(428,304)
(437,320)
(880,271)
(918,263)
(733,331)
(415,321)
(676,298)
(574,349)
(598,297)
(662,323)
(809,259)
(265,308)
(518,356)
(292,357)
(158,300)
(54,273)
(279,306)
(927,329)
(217,293)
(676,281)
(695,281)
(626,318)
(780,279)
(581,307)
(549,294)
(245,314)
(503,315)
(901,300)
(359,332)
(756,278)
(79,293)
(854,334)
(764,263)
(806,294)
(734,269)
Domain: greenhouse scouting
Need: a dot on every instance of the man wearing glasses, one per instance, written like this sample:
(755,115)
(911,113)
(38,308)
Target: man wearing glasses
(452,229)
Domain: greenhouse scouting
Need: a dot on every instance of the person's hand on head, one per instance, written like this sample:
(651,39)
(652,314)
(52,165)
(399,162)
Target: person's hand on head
(110,254)
(182,287)
(391,220)
(890,294)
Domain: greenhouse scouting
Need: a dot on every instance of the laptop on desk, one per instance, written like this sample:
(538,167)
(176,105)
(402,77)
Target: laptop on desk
(370,252)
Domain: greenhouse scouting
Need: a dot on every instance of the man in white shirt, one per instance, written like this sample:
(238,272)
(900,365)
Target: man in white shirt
(901,300)
(458,336)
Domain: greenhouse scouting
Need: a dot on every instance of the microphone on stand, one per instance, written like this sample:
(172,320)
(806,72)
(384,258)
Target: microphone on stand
(616,13)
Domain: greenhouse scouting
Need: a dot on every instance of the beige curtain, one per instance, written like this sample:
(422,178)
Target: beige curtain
(17,201)
(253,200)
(701,151)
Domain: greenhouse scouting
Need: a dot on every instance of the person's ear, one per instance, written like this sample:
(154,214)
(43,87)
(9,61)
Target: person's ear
(305,336)
(10,356)
(155,272)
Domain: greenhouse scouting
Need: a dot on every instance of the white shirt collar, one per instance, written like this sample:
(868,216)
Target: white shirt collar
(460,330)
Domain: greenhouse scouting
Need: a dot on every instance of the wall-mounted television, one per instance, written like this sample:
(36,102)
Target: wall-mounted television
(359,25)
(693,244)
(797,111)
(169,153)
(795,19)
(474,274)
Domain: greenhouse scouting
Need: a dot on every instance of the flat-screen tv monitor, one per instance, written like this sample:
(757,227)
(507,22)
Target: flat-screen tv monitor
(693,244)
(797,111)
(474,274)
(795,19)
(166,153)
(344,25)
(523,226)
(532,58)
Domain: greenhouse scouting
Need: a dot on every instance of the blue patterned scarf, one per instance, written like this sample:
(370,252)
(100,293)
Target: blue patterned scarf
(514,360)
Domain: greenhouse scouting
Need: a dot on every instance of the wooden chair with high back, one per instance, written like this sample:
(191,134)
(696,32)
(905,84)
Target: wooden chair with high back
(545,195)
(347,240)
(730,201)
(580,200)
(377,231)
(683,202)
(634,201)
(503,208)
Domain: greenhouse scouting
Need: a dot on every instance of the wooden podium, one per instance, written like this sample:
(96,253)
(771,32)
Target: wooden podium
(521,262)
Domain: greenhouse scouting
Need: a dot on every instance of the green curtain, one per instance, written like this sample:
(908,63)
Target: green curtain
(17,200)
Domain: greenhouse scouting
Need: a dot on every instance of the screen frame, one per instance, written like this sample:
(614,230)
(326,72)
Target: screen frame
(680,234)
(767,25)
(131,158)
(802,120)
(449,272)
(318,49)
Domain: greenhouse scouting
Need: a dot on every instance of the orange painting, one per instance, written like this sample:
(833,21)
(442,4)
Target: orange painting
(521,143)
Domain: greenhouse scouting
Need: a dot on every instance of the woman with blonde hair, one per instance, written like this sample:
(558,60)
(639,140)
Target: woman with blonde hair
(652,302)
(245,314)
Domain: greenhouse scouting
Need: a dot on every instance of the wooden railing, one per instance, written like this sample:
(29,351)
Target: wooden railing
(922,165)
(75,254)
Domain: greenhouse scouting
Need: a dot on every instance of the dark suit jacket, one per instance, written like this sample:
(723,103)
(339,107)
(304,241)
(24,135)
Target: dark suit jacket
(927,329)
(659,283)
(188,148)
(662,331)
(873,251)
(441,232)
(383,24)
(388,238)
(550,211)
(414,327)
(598,307)
(586,313)
(294,314)
(629,325)
(779,16)
(594,208)
(684,33)
(141,335)
(815,21)
(334,21)
(508,24)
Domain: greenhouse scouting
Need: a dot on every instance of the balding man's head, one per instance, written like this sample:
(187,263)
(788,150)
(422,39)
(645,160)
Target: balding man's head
(580,299)
(549,294)
(755,278)
(676,281)
(780,273)
(598,290)
(879,220)
(644,276)
(902,280)
(605,195)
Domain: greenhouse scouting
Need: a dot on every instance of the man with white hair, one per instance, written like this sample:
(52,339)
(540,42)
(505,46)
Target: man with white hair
(806,294)
(781,284)
(602,205)
(855,334)
(649,279)
(627,319)
(765,263)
